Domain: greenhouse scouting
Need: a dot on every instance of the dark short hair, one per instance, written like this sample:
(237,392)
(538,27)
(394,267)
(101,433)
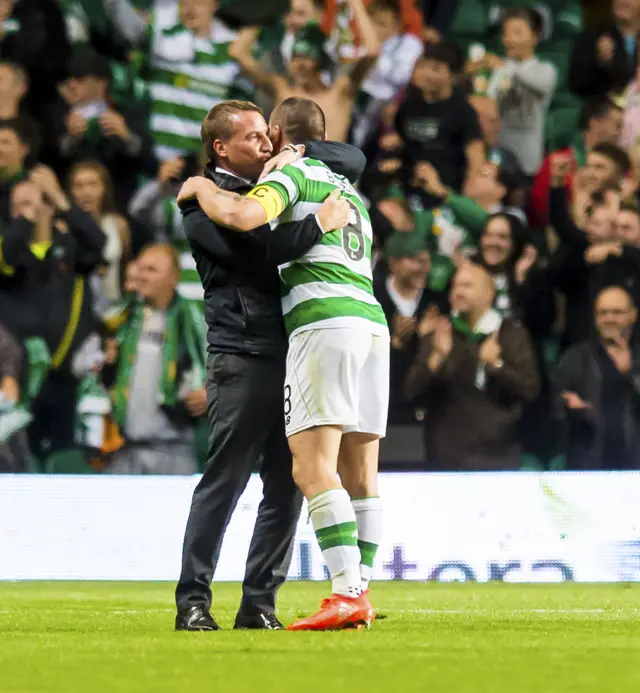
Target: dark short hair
(597,107)
(89,63)
(443,52)
(300,120)
(218,123)
(532,17)
(24,129)
(618,156)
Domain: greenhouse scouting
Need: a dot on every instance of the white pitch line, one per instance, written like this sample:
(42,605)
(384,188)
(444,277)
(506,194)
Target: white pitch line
(455,612)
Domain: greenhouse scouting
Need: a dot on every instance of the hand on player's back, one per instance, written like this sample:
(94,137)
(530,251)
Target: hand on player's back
(335,213)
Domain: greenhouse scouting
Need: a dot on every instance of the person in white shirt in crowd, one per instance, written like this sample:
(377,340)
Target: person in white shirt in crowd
(399,52)
(523,86)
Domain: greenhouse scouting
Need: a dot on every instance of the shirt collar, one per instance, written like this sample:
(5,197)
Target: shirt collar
(228,173)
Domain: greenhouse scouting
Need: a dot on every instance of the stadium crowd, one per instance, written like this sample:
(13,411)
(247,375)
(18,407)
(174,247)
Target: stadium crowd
(503,149)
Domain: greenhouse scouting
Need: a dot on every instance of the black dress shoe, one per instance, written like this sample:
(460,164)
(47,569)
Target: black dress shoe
(196,618)
(259,620)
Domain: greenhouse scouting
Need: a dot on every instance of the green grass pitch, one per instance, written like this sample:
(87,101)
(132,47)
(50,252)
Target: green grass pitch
(450,638)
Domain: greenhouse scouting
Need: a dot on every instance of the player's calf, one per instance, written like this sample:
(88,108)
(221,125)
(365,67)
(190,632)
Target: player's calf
(315,455)
(358,469)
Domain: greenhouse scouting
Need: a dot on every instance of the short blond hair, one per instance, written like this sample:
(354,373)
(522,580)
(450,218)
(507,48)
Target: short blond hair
(218,124)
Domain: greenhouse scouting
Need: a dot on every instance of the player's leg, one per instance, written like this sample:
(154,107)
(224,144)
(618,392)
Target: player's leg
(320,398)
(358,470)
(321,386)
(315,458)
(359,452)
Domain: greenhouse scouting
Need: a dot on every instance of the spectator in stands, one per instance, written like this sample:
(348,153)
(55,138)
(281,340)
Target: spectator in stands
(90,128)
(32,34)
(158,374)
(392,71)
(523,86)
(491,126)
(409,304)
(279,43)
(436,123)
(49,250)
(304,75)
(600,123)
(604,59)
(472,374)
(438,17)
(449,229)
(155,210)
(14,150)
(13,88)
(91,189)
(13,448)
(189,63)
(628,224)
(590,260)
(597,387)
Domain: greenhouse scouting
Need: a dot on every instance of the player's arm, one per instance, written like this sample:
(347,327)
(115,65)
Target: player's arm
(241,51)
(261,205)
(371,44)
(225,208)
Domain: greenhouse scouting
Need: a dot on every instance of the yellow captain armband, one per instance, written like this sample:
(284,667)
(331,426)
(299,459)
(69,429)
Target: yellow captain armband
(270,199)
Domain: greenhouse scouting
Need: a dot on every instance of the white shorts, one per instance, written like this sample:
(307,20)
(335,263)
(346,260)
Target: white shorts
(337,377)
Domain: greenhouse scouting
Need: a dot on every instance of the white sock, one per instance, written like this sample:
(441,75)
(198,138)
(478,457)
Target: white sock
(334,522)
(368,513)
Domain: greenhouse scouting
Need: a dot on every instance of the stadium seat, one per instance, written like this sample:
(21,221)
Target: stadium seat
(403,448)
(560,128)
(67,462)
(470,24)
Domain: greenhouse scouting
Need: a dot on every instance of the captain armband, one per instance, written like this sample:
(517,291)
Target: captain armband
(270,200)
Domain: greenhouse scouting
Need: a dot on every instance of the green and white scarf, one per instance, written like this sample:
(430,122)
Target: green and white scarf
(484,328)
(185,326)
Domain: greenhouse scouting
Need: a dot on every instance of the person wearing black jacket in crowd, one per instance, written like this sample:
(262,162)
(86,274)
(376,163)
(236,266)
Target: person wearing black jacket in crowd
(245,371)
(33,34)
(597,388)
(604,58)
(48,250)
(410,307)
(588,260)
(88,125)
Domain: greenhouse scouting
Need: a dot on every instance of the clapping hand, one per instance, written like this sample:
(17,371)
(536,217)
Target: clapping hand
(114,125)
(490,351)
(574,402)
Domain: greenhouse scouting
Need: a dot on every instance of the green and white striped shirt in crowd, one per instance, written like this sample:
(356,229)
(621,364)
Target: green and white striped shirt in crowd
(188,76)
(331,285)
(190,286)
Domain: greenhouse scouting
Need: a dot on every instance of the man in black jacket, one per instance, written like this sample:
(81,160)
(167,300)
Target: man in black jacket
(245,370)
(49,251)
(604,58)
(597,387)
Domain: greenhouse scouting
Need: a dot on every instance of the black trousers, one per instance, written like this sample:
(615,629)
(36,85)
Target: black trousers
(245,398)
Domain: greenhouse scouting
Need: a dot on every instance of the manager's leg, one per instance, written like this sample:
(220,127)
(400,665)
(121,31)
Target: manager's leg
(274,533)
(238,431)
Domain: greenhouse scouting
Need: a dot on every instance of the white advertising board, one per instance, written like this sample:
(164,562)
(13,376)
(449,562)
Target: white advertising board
(519,527)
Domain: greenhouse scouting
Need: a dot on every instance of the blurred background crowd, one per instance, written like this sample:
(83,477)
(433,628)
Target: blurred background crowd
(503,148)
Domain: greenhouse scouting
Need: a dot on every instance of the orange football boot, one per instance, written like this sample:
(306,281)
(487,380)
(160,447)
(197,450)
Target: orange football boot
(338,613)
